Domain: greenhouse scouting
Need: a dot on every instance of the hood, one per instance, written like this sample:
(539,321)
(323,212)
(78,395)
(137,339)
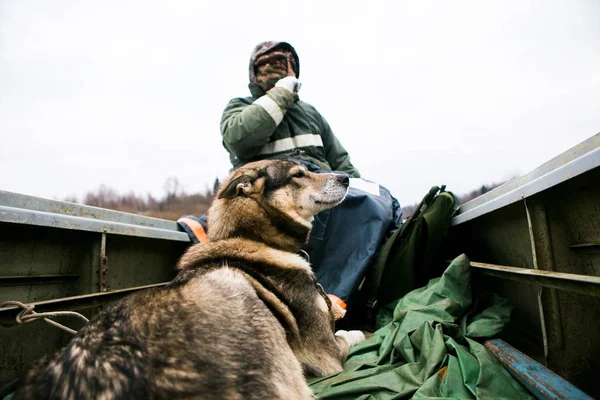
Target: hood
(265,47)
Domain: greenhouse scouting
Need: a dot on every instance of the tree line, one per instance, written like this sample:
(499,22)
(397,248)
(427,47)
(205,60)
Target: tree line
(176,202)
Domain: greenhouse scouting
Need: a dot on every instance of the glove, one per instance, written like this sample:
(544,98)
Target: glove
(290,83)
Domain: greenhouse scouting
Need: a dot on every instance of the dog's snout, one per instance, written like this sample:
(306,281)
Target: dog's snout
(343,179)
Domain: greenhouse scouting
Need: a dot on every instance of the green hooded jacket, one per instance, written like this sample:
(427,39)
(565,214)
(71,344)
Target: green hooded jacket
(277,124)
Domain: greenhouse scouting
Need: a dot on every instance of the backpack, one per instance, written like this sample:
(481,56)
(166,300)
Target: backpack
(411,256)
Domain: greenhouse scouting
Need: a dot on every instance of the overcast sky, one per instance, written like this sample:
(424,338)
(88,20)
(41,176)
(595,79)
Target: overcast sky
(129,93)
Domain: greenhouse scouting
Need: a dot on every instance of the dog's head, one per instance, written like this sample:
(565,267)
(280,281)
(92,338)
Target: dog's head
(273,201)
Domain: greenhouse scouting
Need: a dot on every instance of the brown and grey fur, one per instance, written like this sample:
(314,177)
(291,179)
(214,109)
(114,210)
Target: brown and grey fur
(243,319)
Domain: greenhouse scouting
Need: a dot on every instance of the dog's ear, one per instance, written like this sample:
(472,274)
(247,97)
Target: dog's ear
(239,185)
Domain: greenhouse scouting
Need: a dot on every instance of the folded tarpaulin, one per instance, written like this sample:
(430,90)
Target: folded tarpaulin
(426,348)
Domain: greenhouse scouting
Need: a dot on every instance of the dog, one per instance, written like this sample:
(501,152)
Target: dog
(243,319)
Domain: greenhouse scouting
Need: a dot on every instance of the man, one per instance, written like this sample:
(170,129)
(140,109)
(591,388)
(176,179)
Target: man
(274,122)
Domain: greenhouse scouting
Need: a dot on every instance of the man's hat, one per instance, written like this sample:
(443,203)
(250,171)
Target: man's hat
(264,48)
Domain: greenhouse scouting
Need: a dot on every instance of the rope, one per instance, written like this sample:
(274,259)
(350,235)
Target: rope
(28,315)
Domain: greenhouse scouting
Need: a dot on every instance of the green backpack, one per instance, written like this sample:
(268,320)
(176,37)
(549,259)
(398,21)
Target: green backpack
(412,255)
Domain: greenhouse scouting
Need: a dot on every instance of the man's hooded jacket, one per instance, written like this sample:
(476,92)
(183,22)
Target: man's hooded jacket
(276,124)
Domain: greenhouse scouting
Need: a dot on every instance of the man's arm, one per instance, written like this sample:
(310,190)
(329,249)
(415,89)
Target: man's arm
(246,128)
(337,156)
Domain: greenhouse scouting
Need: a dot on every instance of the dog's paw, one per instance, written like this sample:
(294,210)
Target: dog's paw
(352,337)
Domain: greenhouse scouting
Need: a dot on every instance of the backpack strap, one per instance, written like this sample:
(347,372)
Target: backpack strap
(194,229)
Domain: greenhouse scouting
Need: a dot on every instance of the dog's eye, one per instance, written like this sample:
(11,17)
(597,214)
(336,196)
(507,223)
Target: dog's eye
(298,174)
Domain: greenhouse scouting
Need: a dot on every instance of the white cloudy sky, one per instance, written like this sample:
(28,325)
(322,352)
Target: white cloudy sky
(129,93)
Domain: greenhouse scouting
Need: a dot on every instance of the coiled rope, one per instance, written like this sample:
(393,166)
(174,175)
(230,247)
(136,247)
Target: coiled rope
(27,315)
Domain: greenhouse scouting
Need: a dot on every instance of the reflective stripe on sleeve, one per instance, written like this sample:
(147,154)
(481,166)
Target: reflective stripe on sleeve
(270,106)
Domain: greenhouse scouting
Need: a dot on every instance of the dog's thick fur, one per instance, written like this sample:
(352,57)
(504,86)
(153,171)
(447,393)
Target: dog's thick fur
(243,319)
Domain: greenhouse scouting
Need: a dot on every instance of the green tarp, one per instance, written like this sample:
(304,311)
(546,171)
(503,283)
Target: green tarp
(428,347)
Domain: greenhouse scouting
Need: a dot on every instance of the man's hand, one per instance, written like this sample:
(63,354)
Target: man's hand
(290,83)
